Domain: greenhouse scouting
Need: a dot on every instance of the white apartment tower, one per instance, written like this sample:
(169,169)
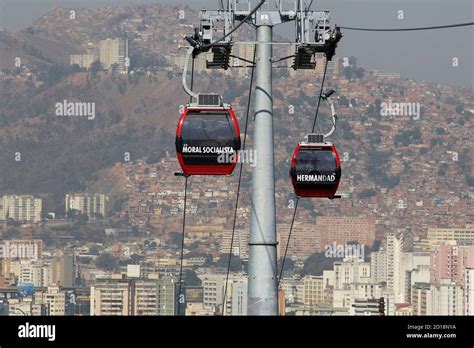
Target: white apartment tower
(110,298)
(213,287)
(445,299)
(54,300)
(114,55)
(351,270)
(21,208)
(391,266)
(83,60)
(89,204)
(469,291)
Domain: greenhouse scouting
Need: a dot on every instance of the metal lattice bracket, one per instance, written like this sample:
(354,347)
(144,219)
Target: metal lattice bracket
(215,24)
(314,35)
(220,57)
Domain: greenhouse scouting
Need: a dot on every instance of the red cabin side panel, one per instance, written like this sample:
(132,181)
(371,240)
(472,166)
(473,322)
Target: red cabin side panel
(207,169)
(316,192)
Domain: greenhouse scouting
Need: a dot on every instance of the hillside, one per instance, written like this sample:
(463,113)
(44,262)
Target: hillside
(34,50)
(134,114)
(385,156)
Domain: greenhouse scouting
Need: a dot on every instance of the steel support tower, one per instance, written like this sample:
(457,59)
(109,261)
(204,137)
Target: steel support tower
(312,35)
(262,271)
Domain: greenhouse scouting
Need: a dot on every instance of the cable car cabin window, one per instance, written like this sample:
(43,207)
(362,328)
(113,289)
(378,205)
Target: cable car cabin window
(210,127)
(315,162)
(206,135)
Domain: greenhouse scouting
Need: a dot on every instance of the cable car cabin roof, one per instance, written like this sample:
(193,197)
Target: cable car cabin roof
(198,107)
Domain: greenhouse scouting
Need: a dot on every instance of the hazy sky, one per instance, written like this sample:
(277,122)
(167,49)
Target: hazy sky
(421,55)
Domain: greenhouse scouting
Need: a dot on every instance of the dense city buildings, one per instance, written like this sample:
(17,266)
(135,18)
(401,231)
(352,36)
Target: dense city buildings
(22,208)
(114,54)
(469,291)
(399,242)
(134,297)
(444,235)
(83,60)
(450,262)
(341,230)
(92,205)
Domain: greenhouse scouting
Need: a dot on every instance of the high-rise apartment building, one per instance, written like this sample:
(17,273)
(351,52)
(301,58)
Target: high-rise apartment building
(351,270)
(469,291)
(341,230)
(166,298)
(36,273)
(450,262)
(236,299)
(304,240)
(420,298)
(313,290)
(392,266)
(440,236)
(446,298)
(213,288)
(90,204)
(110,298)
(83,60)
(54,300)
(139,297)
(240,245)
(63,269)
(293,289)
(114,54)
(347,295)
(21,208)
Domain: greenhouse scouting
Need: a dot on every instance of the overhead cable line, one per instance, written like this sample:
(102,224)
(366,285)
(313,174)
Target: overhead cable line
(239,184)
(182,246)
(184,212)
(284,58)
(242,59)
(411,29)
(288,241)
(192,79)
(320,95)
(297,199)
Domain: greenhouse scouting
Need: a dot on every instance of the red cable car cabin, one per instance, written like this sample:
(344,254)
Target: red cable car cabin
(316,170)
(208,141)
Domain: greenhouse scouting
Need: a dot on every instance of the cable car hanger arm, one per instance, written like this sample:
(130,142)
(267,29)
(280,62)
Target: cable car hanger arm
(327,97)
(185,73)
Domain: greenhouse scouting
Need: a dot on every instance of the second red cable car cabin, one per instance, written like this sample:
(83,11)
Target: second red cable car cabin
(316,169)
(208,140)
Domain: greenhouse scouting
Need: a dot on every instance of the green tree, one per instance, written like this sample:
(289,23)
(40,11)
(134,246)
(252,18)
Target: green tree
(459,109)
(190,278)
(316,263)
(235,264)
(95,67)
(107,262)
